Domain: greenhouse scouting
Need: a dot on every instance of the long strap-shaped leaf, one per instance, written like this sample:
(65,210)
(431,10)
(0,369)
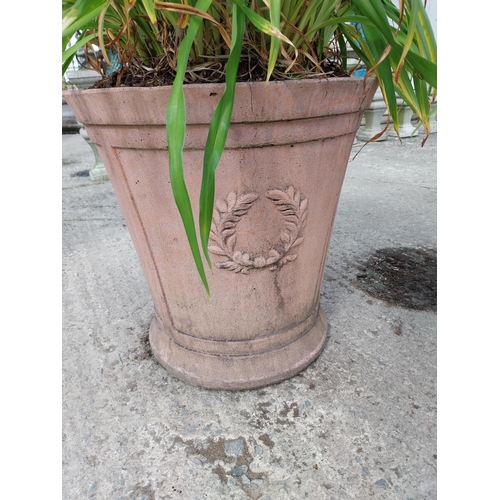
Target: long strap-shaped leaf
(264,25)
(398,53)
(370,52)
(275,17)
(220,121)
(377,13)
(219,127)
(77,17)
(68,54)
(176,133)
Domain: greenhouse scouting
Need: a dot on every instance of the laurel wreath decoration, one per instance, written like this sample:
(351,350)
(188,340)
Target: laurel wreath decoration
(229,212)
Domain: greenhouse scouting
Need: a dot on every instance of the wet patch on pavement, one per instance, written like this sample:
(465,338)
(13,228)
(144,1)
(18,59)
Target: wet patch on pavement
(405,277)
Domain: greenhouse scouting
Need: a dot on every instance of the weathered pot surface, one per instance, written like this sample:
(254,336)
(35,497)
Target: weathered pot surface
(277,188)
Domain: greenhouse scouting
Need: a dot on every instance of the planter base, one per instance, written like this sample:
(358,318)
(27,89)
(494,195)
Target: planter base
(238,371)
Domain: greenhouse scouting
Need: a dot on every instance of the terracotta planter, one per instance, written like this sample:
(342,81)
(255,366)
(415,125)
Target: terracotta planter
(277,188)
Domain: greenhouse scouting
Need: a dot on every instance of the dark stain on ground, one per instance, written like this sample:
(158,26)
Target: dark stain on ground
(405,277)
(146,352)
(398,328)
(219,471)
(142,349)
(80,173)
(293,407)
(267,440)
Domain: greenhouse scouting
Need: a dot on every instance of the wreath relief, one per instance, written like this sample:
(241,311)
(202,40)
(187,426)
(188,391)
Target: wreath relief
(227,214)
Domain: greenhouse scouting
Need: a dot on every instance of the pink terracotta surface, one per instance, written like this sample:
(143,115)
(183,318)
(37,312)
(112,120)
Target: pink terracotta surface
(277,189)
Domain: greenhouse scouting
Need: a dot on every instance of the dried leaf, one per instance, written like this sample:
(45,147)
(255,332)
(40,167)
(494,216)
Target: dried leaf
(290,192)
(303,204)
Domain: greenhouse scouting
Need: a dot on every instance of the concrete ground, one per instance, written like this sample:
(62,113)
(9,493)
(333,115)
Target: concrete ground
(359,423)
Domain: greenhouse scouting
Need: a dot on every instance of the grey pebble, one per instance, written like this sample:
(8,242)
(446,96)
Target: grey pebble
(245,480)
(383,483)
(239,471)
(233,448)
(92,489)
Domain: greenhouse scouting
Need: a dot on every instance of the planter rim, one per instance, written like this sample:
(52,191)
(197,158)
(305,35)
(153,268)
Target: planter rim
(254,101)
(255,84)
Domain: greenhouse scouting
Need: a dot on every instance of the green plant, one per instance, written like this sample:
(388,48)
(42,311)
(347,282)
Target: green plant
(215,40)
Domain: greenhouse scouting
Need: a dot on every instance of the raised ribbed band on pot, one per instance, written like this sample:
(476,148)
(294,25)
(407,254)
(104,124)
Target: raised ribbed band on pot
(240,135)
(239,372)
(265,343)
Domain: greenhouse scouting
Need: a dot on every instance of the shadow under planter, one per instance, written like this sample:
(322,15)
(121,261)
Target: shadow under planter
(278,186)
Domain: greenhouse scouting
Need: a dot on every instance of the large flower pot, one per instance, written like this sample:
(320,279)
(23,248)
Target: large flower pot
(277,188)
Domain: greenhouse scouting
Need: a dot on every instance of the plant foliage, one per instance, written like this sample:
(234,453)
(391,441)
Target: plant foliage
(216,40)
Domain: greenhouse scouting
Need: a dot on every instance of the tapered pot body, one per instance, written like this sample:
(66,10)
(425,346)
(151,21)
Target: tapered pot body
(277,188)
